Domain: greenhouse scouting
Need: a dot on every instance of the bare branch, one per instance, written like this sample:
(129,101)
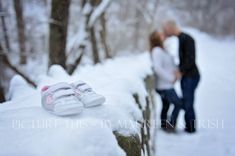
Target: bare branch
(72,67)
(7,62)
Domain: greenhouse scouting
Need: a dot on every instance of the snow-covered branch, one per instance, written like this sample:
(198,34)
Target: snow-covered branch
(78,39)
(98,12)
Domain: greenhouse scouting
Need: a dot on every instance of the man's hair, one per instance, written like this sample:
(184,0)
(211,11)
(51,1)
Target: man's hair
(170,22)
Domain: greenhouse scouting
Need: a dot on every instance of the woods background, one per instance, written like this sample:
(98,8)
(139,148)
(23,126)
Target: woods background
(38,33)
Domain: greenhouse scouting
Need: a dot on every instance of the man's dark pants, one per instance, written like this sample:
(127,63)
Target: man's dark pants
(188,86)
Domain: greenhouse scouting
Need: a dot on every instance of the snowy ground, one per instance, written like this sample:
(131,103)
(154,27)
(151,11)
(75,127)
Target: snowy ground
(214,104)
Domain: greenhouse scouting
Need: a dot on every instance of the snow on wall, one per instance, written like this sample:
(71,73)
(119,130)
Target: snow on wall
(26,129)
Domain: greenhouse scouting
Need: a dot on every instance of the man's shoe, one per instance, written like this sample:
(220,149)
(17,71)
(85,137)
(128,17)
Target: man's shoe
(87,95)
(188,130)
(190,127)
(60,99)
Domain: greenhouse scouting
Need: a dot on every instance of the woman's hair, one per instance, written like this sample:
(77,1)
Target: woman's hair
(155,40)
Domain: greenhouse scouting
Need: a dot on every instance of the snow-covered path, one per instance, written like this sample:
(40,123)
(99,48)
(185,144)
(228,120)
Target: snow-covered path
(215,104)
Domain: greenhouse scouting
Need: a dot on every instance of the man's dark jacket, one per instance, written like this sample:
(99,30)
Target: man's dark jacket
(187,55)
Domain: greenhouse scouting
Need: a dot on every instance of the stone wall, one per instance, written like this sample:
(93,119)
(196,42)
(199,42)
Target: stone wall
(142,144)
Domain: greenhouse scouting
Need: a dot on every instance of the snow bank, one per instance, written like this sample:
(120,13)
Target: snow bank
(26,129)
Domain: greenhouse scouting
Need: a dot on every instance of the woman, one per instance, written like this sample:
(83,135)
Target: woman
(166,75)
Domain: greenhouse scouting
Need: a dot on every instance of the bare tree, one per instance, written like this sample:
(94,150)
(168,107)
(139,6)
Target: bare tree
(95,52)
(2,97)
(92,11)
(58,32)
(21,29)
(137,28)
(103,35)
(4,28)
(98,9)
(92,32)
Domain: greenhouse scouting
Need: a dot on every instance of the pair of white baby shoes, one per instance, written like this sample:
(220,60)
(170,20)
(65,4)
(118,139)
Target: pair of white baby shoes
(65,99)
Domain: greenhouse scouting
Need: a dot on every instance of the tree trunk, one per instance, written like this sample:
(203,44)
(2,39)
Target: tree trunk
(21,29)
(83,2)
(2,97)
(137,29)
(103,35)
(2,68)
(4,28)
(58,32)
(95,51)
(94,3)
(92,32)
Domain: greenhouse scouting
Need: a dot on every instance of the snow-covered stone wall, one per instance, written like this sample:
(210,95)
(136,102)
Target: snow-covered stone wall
(27,129)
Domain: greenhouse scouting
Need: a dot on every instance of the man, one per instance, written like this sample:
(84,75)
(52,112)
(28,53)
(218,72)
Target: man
(188,71)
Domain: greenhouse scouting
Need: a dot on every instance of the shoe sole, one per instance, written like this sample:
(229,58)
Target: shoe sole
(94,102)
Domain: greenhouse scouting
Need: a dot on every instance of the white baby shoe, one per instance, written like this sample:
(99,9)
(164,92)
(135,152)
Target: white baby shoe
(60,99)
(87,95)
